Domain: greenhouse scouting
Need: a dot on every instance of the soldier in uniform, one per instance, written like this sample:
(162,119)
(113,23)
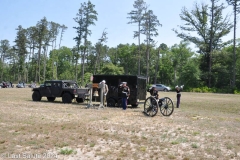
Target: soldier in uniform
(125,94)
(178,90)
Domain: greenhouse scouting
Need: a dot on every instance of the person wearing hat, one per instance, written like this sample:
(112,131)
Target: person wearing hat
(125,94)
(105,91)
(178,90)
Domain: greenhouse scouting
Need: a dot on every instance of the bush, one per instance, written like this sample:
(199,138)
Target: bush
(205,89)
(236,91)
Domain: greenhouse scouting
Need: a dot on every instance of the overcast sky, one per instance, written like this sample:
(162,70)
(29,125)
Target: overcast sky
(112,15)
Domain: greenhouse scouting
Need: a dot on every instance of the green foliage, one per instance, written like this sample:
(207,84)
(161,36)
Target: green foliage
(236,91)
(111,69)
(208,26)
(66,151)
(29,60)
(205,89)
(87,76)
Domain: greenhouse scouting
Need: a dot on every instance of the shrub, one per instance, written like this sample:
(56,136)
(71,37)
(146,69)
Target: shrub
(66,151)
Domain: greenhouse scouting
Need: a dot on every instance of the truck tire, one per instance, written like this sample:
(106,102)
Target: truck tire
(111,102)
(51,99)
(134,105)
(120,103)
(79,100)
(67,98)
(36,96)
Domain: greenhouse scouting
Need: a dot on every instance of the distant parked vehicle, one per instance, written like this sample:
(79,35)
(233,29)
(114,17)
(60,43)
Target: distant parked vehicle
(6,85)
(20,85)
(160,87)
(32,85)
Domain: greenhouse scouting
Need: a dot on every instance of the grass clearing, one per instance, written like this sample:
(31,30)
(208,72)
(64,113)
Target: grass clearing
(206,126)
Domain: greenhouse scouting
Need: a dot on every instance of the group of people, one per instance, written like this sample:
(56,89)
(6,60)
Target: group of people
(154,93)
(124,95)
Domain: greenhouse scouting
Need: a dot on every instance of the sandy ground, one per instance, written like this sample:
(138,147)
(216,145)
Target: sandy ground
(206,126)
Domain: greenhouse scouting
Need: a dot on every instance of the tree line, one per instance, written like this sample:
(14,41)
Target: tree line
(36,56)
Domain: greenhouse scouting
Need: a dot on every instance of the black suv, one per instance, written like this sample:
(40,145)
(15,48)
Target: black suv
(66,89)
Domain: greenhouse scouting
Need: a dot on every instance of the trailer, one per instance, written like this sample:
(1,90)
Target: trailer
(137,85)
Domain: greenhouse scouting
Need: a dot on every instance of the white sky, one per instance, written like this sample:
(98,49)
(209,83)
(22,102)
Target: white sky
(112,14)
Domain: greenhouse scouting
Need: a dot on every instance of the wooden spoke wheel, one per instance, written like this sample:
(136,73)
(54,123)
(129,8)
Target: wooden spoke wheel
(150,106)
(166,106)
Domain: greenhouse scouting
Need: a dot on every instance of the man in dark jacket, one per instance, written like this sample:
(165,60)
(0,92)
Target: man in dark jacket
(125,94)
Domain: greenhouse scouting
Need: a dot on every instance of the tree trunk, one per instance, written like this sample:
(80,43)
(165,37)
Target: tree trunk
(210,47)
(56,60)
(139,51)
(234,46)
(52,62)
(38,72)
(76,63)
(147,74)
(156,69)
(82,69)
(96,66)
(44,61)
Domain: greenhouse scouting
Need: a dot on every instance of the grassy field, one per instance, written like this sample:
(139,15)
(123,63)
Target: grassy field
(206,126)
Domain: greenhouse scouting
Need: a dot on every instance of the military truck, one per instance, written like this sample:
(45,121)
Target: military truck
(67,89)
(137,85)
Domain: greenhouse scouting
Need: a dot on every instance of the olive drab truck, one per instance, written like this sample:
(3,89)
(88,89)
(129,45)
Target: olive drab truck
(137,85)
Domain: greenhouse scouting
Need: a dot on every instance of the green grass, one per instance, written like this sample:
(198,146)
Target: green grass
(66,151)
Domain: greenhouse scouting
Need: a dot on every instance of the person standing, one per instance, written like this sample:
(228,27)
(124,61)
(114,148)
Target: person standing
(125,94)
(105,91)
(178,90)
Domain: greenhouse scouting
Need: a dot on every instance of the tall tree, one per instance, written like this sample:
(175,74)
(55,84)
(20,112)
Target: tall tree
(79,29)
(162,48)
(21,45)
(236,11)
(179,56)
(90,16)
(63,28)
(149,28)
(42,31)
(4,47)
(12,59)
(136,16)
(54,29)
(98,50)
(32,36)
(210,26)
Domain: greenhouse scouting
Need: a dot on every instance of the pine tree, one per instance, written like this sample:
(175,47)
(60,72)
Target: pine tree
(136,16)
(236,11)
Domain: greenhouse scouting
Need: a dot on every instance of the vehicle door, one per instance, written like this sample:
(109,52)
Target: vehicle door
(46,90)
(159,87)
(56,89)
